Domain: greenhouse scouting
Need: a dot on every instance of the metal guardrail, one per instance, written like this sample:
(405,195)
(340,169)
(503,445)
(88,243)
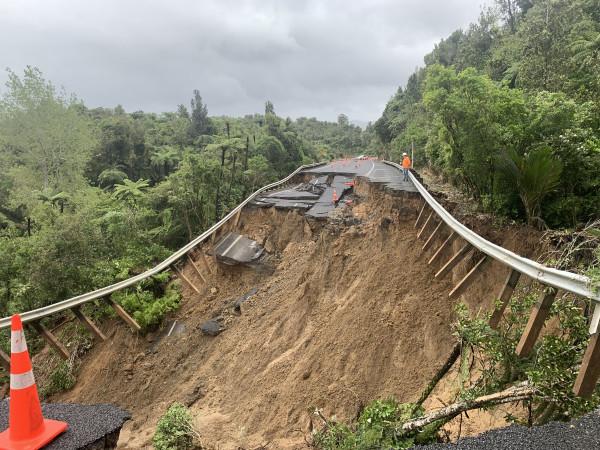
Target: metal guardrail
(568,281)
(560,279)
(40,313)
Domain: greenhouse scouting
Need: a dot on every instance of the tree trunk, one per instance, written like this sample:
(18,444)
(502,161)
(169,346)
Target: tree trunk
(513,394)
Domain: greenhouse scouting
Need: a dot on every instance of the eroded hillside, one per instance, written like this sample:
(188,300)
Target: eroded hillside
(344,312)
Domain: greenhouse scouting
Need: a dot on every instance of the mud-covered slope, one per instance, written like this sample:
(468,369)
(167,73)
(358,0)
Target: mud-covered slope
(350,313)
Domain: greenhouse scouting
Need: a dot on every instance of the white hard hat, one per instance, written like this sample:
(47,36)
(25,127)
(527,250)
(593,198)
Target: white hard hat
(404,154)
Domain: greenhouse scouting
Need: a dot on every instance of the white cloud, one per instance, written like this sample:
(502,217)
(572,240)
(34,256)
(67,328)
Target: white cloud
(312,58)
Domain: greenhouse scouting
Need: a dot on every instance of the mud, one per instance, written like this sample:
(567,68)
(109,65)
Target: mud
(347,314)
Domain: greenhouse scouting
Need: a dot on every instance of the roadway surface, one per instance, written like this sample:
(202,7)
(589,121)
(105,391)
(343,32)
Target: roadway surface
(373,170)
(89,425)
(321,195)
(583,433)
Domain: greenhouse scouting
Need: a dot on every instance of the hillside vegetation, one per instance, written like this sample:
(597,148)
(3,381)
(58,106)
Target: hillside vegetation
(509,111)
(91,196)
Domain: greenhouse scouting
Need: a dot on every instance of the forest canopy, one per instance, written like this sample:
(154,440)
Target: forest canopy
(90,196)
(509,111)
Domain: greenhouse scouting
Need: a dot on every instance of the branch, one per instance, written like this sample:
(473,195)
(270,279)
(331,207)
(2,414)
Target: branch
(513,394)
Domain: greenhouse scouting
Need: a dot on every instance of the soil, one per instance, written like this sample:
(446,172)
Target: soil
(343,314)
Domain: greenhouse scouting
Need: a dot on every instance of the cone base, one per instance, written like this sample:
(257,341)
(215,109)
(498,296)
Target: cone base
(52,428)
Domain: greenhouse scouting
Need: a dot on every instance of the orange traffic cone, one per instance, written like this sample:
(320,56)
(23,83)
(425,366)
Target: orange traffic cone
(27,428)
(334,196)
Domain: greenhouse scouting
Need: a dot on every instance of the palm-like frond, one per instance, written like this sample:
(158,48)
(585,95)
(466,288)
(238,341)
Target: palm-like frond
(536,174)
(131,190)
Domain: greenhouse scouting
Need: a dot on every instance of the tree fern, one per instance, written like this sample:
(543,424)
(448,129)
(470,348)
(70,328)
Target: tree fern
(536,174)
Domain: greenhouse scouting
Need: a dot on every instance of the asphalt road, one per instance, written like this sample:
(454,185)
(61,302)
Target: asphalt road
(583,433)
(331,182)
(87,423)
(373,170)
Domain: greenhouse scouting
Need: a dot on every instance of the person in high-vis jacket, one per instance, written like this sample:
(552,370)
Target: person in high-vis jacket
(405,165)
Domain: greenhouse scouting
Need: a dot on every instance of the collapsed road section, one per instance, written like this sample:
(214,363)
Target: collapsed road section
(327,186)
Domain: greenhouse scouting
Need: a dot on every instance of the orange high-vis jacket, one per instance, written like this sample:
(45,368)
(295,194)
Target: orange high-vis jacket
(406,162)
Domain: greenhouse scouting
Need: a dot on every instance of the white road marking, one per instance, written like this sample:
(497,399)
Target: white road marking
(369,172)
(233,243)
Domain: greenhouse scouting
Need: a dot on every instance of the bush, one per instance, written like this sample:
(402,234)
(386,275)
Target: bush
(552,366)
(61,379)
(175,430)
(376,428)
(147,307)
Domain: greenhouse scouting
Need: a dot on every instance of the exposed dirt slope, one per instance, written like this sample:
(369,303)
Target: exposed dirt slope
(350,313)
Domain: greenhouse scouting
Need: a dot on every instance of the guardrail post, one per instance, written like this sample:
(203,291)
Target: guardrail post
(196,268)
(4,361)
(509,286)
(429,217)
(184,278)
(443,247)
(453,262)
(589,372)
(536,322)
(236,219)
(468,278)
(87,322)
(205,261)
(420,213)
(51,339)
(123,314)
(432,236)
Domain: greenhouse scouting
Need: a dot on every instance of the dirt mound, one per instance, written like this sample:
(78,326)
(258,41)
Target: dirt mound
(350,313)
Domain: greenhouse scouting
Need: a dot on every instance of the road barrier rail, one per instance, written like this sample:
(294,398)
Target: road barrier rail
(550,278)
(34,317)
(432,212)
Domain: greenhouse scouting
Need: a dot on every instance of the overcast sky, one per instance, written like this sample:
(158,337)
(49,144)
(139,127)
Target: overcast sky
(309,57)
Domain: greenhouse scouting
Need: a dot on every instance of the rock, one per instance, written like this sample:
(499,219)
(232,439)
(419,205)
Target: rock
(213,290)
(269,247)
(237,305)
(211,327)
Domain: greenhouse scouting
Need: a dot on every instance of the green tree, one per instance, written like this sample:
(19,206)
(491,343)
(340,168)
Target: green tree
(536,174)
(200,122)
(164,160)
(46,138)
(131,191)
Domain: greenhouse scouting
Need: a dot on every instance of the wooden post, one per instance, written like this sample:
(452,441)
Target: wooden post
(5,361)
(588,375)
(184,278)
(87,322)
(205,261)
(123,314)
(443,247)
(509,286)
(468,278)
(536,322)
(429,241)
(51,339)
(429,217)
(420,214)
(196,268)
(453,262)
(236,219)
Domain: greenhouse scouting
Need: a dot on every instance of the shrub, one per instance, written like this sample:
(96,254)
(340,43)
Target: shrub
(61,379)
(552,366)
(175,430)
(375,428)
(147,308)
